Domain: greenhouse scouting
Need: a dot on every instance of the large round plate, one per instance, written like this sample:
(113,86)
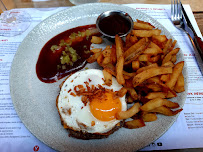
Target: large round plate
(34,101)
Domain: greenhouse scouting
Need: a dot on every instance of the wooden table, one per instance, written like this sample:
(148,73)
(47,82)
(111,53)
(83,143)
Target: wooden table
(196,5)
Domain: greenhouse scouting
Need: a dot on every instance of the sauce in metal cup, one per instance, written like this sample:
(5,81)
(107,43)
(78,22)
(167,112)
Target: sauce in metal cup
(111,23)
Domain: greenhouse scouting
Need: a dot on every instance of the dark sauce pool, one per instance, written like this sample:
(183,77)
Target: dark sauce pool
(47,65)
(114,24)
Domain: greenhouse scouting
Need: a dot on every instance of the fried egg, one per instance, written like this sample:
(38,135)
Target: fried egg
(97,116)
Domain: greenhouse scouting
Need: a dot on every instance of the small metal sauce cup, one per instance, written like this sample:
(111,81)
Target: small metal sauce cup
(122,14)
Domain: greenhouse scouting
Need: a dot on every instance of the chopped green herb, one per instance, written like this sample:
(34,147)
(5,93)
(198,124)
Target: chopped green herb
(63,67)
(73,35)
(54,48)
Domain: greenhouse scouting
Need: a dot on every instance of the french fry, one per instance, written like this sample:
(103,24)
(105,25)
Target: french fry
(146,33)
(149,117)
(147,23)
(134,51)
(144,57)
(153,95)
(173,45)
(132,93)
(147,67)
(120,60)
(153,80)
(158,102)
(135,65)
(93,58)
(133,39)
(110,68)
(119,47)
(107,77)
(169,63)
(154,59)
(153,51)
(134,47)
(113,55)
(152,104)
(107,52)
(153,45)
(179,86)
(170,104)
(106,60)
(166,111)
(129,113)
(96,40)
(160,40)
(129,99)
(168,57)
(128,83)
(119,70)
(129,74)
(133,124)
(96,50)
(100,59)
(167,46)
(174,76)
(142,26)
(122,92)
(139,78)
(154,87)
(165,77)
(173,59)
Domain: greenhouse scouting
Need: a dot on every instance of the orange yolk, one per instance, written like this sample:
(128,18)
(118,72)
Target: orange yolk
(105,109)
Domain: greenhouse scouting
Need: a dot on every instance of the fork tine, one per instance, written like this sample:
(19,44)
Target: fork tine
(172,10)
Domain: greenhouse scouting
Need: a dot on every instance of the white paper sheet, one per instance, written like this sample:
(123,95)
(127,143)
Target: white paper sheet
(186,132)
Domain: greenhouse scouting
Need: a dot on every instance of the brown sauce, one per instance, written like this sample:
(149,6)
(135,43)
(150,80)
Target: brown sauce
(47,65)
(114,24)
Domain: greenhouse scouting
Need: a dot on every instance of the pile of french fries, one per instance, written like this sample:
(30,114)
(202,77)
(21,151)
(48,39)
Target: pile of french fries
(145,64)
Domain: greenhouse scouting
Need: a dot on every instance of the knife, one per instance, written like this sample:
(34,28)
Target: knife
(196,41)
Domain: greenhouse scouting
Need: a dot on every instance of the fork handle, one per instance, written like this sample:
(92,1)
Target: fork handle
(199,45)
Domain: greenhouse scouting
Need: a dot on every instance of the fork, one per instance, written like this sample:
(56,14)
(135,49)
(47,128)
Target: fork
(182,22)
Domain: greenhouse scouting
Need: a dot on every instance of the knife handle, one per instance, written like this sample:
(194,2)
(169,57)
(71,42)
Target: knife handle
(199,45)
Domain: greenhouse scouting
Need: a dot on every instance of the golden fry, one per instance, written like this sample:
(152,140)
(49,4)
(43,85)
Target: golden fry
(169,55)
(142,26)
(96,50)
(93,58)
(167,46)
(132,93)
(153,95)
(135,65)
(179,86)
(122,92)
(129,113)
(96,40)
(166,111)
(146,33)
(139,78)
(133,124)
(107,77)
(147,67)
(174,76)
(149,117)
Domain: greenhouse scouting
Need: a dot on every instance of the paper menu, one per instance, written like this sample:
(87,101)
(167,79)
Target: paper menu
(185,133)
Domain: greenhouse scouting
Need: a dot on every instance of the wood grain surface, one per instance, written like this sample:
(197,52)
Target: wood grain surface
(196,5)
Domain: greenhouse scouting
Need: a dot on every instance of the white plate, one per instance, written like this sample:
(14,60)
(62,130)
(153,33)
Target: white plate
(34,101)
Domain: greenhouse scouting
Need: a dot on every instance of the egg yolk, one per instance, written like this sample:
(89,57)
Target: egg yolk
(105,109)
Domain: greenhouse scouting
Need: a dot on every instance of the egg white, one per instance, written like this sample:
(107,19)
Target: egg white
(73,111)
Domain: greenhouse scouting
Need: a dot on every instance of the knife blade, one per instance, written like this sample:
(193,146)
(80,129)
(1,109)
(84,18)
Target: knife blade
(196,41)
